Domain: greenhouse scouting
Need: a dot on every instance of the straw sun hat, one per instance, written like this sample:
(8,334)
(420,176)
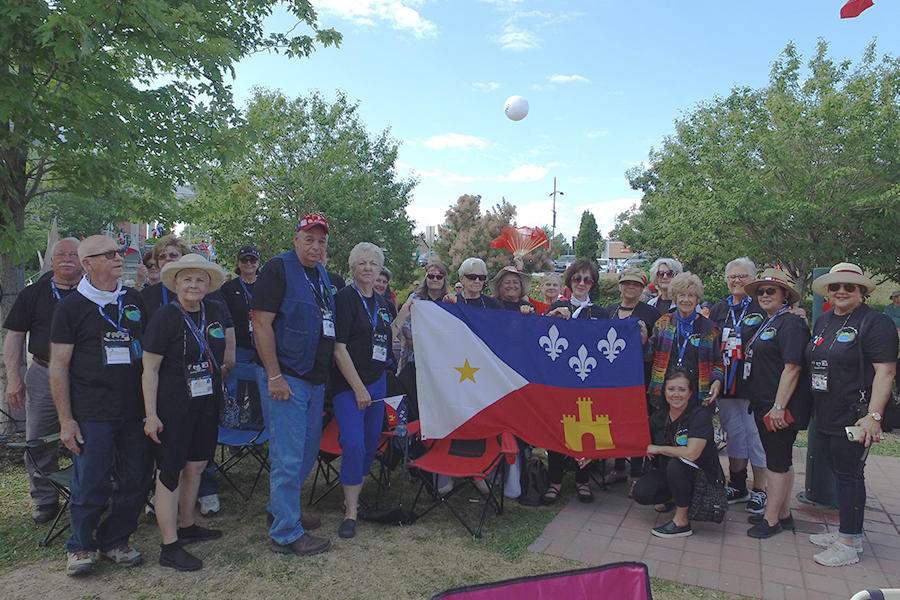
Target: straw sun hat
(779,278)
(193,261)
(495,282)
(843,273)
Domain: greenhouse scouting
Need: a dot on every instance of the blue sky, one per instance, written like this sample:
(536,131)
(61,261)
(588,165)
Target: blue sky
(604,80)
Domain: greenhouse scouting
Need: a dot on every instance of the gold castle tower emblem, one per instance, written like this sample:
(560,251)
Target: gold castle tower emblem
(598,427)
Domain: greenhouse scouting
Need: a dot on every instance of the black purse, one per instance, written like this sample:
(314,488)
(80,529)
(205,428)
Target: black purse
(890,420)
(709,502)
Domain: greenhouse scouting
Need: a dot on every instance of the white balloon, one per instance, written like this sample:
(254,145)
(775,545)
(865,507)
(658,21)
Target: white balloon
(516,108)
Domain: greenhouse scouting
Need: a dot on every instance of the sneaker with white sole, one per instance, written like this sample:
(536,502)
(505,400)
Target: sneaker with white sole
(824,540)
(757,502)
(735,495)
(837,555)
(80,563)
(125,555)
(209,505)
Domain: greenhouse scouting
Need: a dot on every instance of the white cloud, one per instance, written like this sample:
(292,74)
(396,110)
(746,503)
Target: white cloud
(486,87)
(567,78)
(597,134)
(397,14)
(523,173)
(542,87)
(454,140)
(526,173)
(517,40)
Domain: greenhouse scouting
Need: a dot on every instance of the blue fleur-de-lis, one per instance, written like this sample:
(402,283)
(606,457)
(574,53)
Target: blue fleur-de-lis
(612,345)
(553,345)
(583,364)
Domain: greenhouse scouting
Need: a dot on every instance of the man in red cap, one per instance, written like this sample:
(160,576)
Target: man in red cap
(293,329)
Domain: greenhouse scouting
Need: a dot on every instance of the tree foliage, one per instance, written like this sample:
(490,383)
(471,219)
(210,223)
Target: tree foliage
(804,172)
(467,232)
(559,244)
(302,155)
(589,240)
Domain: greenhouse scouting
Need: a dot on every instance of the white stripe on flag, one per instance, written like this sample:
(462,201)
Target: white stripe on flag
(442,346)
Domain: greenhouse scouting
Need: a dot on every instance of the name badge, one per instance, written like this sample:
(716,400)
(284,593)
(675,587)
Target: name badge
(379,347)
(819,375)
(199,379)
(328,324)
(250,320)
(117,348)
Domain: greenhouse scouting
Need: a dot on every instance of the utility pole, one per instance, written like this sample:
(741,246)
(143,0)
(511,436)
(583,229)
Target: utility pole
(553,234)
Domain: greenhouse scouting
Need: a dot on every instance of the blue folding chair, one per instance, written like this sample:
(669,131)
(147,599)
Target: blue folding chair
(243,443)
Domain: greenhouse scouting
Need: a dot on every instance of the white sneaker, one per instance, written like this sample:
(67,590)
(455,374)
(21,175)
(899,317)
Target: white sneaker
(80,563)
(209,505)
(837,555)
(824,540)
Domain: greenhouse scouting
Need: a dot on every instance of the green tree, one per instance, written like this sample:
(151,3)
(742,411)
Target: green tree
(804,172)
(559,245)
(302,155)
(589,240)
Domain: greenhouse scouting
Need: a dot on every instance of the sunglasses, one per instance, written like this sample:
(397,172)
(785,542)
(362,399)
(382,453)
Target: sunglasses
(108,255)
(472,277)
(579,279)
(249,260)
(435,277)
(766,291)
(171,255)
(849,287)
(665,274)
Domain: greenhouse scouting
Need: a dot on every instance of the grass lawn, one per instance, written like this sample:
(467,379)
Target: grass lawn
(382,562)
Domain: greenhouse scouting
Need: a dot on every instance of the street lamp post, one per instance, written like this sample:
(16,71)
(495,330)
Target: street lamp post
(553,234)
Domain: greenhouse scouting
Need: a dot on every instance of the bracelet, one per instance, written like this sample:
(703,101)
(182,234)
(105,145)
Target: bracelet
(276,377)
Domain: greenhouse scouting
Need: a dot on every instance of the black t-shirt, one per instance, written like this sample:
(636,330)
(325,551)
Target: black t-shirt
(32,312)
(238,301)
(354,328)
(592,312)
(695,422)
(836,341)
(158,295)
(482,301)
(781,342)
(99,392)
(753,317)
(664,306)
(645,313)
(168,336)
(337,282)
(268,296)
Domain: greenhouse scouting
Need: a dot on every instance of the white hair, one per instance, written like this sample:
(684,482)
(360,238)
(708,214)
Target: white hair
(58,242)
(548,276)
(467,266)
(673,264)
(742,263)
(364,248)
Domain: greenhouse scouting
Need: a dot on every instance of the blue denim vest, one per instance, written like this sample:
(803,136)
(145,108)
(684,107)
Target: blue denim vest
(298,323)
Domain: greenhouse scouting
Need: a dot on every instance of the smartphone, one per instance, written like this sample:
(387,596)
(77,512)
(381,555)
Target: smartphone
(854,434)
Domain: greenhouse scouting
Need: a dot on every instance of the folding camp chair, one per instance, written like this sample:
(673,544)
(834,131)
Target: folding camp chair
(58,479)
(623,581)
(329,450)
(473,461)
(248,442)
(389,455)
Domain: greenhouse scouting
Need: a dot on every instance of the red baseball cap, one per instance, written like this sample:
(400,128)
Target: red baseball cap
(310,221)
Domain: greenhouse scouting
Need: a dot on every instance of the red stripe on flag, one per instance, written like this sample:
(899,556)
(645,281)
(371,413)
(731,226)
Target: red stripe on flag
(854,8)
(605,423)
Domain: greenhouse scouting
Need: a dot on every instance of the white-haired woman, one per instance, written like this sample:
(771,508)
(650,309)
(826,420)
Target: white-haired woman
(662,272)
(473,275)
(551,287)
(184,356)
(361,352)
(738,317)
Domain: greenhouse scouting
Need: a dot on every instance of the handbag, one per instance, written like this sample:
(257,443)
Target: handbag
(231,412)
(890,420)
(709,502)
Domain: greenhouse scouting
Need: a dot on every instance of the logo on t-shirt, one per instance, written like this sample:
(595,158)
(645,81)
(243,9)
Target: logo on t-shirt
(752,320)
(681,438)
(215,330)
(132,312)
(769,333)
(845,335)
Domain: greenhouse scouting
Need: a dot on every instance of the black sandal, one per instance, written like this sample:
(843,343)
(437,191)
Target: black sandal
(664,508)
(550,496)
(585,495)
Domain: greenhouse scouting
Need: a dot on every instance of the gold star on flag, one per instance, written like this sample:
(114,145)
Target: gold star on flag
(466,372)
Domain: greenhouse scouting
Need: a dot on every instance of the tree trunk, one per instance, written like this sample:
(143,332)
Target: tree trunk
(12,280)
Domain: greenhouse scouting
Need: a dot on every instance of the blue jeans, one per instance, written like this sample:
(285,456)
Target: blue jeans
(845,458)
(111,450)
(295,431)
(360,431)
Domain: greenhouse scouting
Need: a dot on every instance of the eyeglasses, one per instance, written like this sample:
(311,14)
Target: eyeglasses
(171,255)
(435,277)
(665,274)
(108,255)
(737,277)
(766,291)
(849,287)
(579,279)
(473,277)
(249,260)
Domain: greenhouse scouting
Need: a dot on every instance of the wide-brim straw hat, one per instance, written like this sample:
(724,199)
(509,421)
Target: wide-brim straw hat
(843,273)
(779,278)
(193,261)
(495,282)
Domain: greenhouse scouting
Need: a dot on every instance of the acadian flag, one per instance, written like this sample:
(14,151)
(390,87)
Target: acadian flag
(576,387)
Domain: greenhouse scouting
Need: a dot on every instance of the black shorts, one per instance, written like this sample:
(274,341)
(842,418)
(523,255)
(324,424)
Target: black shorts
(778,446)
(185,438)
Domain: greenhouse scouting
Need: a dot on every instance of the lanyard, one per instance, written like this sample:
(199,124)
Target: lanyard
(200,337)
(684,344)
(318,293)
(165,295)
(246,291)
(118,325)
(55,290)
(373,316)
(766,324)
(737,321)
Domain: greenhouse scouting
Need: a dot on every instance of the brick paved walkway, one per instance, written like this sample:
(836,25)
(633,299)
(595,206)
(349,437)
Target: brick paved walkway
(723,557)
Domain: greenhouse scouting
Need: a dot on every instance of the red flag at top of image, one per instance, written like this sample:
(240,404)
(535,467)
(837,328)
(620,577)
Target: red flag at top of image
(854,8)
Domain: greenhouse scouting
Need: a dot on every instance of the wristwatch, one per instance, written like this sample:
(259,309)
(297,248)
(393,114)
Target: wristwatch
(779,407)
(875,415)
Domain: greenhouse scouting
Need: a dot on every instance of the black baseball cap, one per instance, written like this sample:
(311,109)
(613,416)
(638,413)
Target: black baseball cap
(248,251)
